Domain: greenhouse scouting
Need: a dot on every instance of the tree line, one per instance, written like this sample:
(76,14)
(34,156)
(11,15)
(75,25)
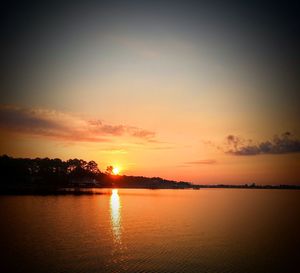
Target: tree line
(46,170)
(39,172)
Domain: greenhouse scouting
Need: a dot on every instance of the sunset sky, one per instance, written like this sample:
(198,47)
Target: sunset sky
(178,89)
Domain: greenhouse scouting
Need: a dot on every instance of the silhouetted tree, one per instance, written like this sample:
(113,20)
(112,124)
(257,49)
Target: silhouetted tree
(109,170)
(24,173)
(92,167)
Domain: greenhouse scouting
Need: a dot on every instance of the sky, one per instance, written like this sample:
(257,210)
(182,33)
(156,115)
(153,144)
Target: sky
(197,91)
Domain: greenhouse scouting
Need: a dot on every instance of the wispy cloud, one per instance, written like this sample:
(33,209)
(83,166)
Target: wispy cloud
(65,126)
(113,150)
(282,144)
(202,162)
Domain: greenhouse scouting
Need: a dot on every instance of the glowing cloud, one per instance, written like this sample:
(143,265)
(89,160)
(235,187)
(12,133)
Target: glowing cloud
(284,144)
(64,126)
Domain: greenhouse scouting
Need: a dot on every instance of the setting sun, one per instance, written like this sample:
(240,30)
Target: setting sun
(116,171)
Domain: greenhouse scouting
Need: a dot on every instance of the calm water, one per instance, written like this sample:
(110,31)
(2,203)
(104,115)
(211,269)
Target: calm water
(218,230)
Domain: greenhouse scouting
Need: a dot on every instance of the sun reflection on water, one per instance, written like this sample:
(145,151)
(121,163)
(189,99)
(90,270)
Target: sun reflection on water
(115,215)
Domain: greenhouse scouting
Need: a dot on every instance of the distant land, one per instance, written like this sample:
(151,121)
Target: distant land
(77,176)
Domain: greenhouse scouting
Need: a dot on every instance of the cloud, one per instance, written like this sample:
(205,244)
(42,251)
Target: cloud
(284,144)
(202,162)
(114,150)
(141,133)
(64,125)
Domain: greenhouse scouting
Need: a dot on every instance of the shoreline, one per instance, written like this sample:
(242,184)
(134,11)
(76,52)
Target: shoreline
(77,191)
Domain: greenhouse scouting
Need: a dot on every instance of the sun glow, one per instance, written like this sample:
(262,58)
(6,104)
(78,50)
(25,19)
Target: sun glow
(116,171)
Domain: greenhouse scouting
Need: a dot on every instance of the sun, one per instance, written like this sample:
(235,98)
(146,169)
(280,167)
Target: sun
(116,171)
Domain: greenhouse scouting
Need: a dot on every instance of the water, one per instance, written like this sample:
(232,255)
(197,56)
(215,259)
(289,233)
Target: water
(217,230)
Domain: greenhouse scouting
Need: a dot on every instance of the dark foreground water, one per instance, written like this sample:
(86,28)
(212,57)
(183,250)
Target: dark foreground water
(218,230)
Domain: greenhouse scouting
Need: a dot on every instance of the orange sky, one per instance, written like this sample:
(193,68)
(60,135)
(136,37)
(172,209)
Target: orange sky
(174,95)
(175,150)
